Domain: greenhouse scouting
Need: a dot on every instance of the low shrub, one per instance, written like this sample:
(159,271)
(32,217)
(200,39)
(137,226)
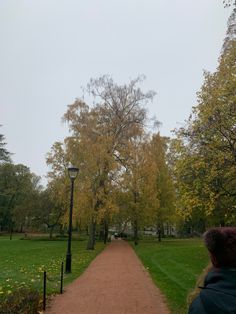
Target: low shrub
(21,301)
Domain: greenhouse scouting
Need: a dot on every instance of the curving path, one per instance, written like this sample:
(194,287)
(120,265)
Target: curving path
(115,283)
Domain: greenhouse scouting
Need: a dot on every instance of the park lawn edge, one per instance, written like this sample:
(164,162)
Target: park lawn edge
(172,303)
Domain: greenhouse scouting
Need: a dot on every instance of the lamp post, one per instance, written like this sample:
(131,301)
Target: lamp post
(73,172)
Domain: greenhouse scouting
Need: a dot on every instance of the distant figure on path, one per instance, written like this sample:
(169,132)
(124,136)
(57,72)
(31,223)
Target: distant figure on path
(218,294)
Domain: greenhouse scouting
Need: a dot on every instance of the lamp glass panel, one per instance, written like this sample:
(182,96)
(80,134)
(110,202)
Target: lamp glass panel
(73,172)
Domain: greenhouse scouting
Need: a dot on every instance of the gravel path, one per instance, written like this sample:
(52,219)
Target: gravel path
(115,283)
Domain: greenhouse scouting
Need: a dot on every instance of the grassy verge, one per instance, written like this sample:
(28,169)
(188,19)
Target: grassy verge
(22,263)
(174,266)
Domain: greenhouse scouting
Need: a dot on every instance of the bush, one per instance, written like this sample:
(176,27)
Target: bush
(22,301)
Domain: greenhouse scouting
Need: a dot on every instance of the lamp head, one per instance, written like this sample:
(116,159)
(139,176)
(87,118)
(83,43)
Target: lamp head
(73,172)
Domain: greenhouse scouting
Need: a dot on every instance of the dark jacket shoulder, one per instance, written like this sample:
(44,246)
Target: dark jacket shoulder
(218,296)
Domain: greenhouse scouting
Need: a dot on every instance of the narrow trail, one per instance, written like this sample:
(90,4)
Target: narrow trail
(115,283)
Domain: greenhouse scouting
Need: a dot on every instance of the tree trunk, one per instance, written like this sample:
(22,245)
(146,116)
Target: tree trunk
(105,231)
(167,229)
(101,233)
(92,234)
(135,232)
(159,233)
(11,231)
(222,223)
(51,232)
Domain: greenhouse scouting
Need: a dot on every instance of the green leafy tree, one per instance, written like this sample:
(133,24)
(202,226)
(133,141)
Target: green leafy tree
(18,188)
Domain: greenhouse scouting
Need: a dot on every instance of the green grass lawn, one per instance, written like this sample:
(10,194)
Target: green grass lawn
(22,263)
(174,266)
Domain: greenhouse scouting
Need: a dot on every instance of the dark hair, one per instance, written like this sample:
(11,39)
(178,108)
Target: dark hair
(221,243)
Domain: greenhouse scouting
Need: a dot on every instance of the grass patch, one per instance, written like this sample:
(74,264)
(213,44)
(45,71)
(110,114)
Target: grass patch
(174,266)
(22,263)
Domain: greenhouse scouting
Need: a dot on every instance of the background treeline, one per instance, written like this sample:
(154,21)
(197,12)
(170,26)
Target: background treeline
(124,178)
(25,205)
(130,175)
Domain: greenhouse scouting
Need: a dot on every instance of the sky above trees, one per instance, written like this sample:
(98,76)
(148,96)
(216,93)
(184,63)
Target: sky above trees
(49,49)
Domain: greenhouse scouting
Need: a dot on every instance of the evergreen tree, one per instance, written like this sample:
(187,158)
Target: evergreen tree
(4,154)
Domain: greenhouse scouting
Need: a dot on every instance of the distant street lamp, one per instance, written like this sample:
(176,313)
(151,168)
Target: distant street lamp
(73,172)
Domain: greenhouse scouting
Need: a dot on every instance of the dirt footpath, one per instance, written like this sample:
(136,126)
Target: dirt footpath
(114,283)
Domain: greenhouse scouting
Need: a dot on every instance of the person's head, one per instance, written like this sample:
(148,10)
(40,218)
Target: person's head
(221,243)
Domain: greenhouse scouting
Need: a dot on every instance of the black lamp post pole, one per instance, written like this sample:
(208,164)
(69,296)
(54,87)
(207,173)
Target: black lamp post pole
(68,254)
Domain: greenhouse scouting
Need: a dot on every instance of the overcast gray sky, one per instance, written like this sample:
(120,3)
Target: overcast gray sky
(50,48)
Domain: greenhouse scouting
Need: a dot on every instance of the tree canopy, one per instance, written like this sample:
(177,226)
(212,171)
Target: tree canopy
(111,146)
(205,150)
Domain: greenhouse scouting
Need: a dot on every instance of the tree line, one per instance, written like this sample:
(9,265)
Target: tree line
(130,175)
(204,151)
(24,203)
